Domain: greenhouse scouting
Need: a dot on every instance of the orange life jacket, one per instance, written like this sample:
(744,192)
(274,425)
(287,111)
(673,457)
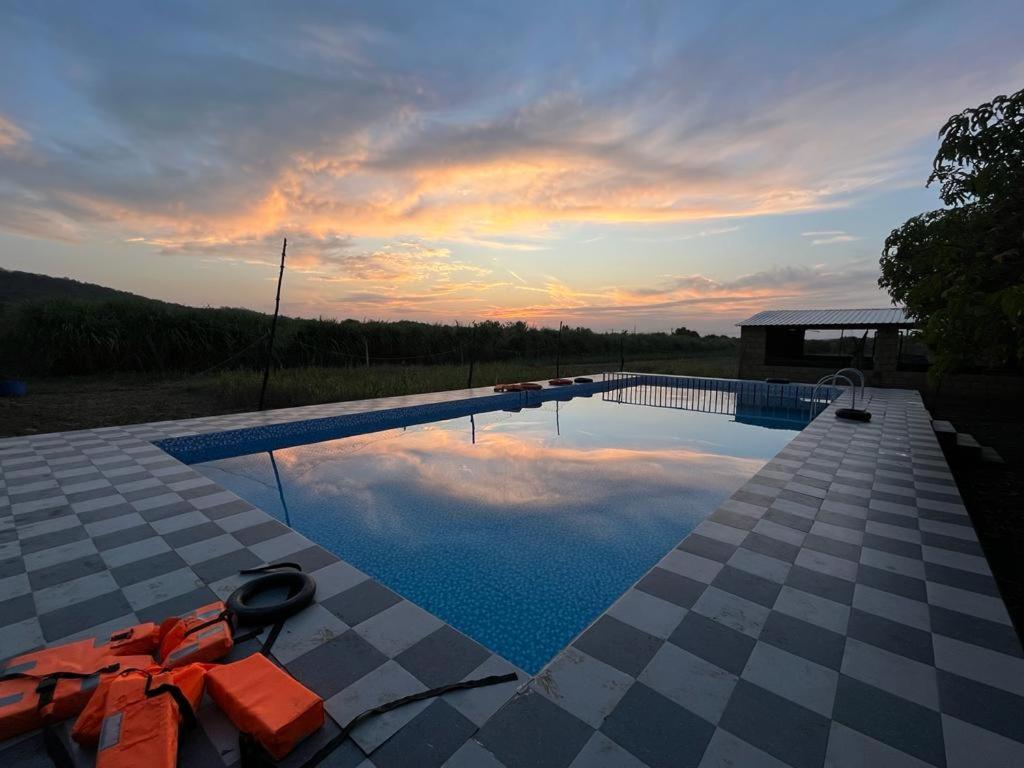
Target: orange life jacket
(204,635)
(142,712)
(131,641)
(55,683)
(190,680)
(265,702)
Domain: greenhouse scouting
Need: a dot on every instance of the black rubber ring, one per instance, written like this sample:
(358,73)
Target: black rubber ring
(301,589)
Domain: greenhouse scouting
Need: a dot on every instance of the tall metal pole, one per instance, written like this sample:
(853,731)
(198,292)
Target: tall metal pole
(273,327)
(622,351)
(558,353)
(472,357)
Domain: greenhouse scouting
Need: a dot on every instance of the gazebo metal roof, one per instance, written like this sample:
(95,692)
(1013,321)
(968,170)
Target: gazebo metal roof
(832,318)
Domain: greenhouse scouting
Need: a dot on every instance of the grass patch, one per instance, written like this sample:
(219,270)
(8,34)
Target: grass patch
(309,386)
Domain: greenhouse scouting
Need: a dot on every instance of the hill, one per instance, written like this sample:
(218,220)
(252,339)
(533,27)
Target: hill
(17,287)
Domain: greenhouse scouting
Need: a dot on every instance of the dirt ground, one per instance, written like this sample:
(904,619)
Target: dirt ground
(86,402)
(994,493)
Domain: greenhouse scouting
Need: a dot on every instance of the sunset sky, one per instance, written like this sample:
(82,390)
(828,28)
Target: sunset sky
(609,164)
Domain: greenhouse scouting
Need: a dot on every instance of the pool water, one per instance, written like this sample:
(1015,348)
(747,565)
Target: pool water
(518,528)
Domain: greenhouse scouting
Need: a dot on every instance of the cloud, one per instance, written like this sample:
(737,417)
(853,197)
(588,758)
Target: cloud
(361,126)
(830,237)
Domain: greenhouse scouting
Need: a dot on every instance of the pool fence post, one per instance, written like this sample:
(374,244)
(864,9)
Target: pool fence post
(273,327)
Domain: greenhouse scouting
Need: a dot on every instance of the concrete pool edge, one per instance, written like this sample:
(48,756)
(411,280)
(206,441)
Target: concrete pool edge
(579,729)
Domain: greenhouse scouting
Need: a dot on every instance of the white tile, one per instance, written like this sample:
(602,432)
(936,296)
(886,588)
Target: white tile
(131,553)
(813,609)
(602,752)
(891,672)
(386,683)
(113,524)
(651,614)
(74,591)
(732,611)
(760,565)
(309,628)
(690,565)
(981,664)
(891,606)
(848,748)
(399,627)
(690,681)
(478,704)
(207,549)
(795,678)
(968,746)
(160,588)
(971,603)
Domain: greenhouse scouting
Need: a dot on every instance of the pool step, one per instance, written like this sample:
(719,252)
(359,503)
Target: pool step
(967,448)
(991,456)
(945,433)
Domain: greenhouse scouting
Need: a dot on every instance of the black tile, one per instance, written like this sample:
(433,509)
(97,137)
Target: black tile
(443,657)
(531,731)
(58,573)
(147,568)
(106,513)
(84,614)
(954,577)
(820,584)
(952,543)
(177,606)
(800,498)
(622,646)
(891,719)
(832,547)
(191,535)
(734,519)
(226,565)
(336,664)
(54,539)
(94,493)
(893,546)
(983,705)
(123,537)
(356,605)
(12,567)
(312,558)
(891,518)
(971,629)
(766,545)
(428,740)
(715,642)
(747,585)
(804,639)
(670,586)
(261,532)
(897,583)
(756,499)
(706,547)
(892,636)
(16,609)
(227,509)
(775,725)
(840,520)
(788,519)
(658,731)
(165,511)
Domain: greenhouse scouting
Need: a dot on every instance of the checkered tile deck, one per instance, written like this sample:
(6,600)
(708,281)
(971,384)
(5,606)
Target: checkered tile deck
(837,610)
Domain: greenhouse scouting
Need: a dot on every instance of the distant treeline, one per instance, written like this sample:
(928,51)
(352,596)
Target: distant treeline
(65,336)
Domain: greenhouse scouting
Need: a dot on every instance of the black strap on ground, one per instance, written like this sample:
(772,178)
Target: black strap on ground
(270,567)
(322,753)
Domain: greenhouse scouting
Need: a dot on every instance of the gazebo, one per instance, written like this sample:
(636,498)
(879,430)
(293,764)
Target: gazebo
(774,344)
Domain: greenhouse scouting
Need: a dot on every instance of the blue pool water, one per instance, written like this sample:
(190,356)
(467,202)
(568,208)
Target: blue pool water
(518,528)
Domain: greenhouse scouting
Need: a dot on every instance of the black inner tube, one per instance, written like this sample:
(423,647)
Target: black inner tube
(300,588)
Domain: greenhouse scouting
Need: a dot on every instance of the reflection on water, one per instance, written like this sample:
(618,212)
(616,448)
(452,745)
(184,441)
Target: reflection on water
(516,528)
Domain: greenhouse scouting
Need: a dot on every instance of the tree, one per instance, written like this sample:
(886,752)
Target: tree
(684,331)
(960,270)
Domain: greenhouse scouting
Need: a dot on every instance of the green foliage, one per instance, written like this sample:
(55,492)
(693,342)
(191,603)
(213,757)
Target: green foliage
(62,337)
(960,270)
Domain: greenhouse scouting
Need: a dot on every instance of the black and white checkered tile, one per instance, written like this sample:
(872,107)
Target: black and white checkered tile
(837,610)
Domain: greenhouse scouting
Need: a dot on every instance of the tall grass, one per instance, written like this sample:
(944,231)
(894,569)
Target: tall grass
(80,337)
(309,386)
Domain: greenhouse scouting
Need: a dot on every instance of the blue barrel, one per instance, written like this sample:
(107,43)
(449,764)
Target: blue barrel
(12,388)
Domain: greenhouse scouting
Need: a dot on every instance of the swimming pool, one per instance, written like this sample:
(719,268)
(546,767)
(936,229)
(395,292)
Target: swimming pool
(518,528)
